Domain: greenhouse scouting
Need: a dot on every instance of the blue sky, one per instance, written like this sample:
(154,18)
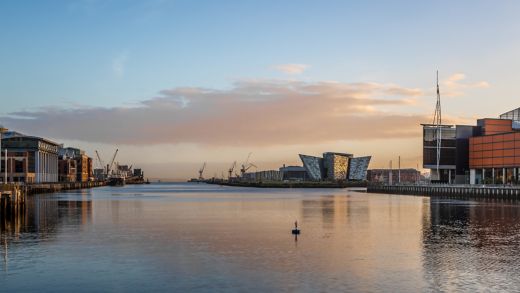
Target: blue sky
(117,54)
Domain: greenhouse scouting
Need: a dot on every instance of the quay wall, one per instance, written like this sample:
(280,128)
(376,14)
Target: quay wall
(484,191)
(13,195)
(56,187)
(295,184)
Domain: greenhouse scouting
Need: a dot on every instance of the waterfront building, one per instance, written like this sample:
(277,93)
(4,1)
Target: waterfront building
(384,175)
(17,167)
(30,159)
(495,154)
(263,176)
(83,163)
(488,153)
(294,173)
(67,169)
(453,163)
(335,167)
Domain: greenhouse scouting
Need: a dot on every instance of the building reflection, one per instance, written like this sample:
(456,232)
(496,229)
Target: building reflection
(41,219)
(327,208)
(469,236)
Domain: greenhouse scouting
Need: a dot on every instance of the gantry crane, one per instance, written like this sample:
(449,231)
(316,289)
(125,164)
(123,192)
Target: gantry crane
(100,162)
(246,165)
(109,167)
(201,171)
(230,170)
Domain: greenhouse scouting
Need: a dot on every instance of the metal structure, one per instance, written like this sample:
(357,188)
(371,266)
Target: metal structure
(100,162)
(201,171)
(246,165)
(357,169)
(437,122)
(111,165)
(230,170)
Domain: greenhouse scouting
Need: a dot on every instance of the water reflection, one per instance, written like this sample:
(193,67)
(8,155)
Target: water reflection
(472,244)
(41,219)
(175,237)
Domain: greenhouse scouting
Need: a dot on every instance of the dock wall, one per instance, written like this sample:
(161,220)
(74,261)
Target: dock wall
(484,191)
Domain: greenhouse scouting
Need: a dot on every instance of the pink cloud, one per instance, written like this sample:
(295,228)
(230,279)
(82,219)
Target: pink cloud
(252,112)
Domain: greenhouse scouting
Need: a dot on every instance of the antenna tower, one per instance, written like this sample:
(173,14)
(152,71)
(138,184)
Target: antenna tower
(437,121)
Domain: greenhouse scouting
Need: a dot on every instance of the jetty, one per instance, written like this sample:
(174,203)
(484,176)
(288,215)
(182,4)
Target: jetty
(452,190)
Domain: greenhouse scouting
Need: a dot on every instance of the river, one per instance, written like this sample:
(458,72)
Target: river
(190,237)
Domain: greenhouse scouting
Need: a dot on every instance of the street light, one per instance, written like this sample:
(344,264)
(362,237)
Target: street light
(2,130)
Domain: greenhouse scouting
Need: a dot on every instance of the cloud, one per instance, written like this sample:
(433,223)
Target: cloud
(251,112)
(291,68)
(454,86)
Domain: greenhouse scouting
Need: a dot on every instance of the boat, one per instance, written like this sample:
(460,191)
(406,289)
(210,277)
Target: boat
(116,181)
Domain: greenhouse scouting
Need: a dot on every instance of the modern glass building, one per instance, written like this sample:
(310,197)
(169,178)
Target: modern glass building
(453,163)
(488,153)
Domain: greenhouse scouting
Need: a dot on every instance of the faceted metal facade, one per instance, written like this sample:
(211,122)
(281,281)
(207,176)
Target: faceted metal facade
(358,168)
(335,166)
(313,166)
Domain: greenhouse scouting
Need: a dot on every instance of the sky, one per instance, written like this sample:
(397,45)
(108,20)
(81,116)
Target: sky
(173,84)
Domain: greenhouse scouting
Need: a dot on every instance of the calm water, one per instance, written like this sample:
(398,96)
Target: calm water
(196,237)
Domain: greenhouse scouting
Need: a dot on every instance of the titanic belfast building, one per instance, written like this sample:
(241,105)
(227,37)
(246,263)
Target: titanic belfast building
(487,153)
(336,167)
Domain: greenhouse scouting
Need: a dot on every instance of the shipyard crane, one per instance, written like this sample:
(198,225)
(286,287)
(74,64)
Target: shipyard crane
(112,162)
(230,170)
(100,161)
(246,166)
(201,171)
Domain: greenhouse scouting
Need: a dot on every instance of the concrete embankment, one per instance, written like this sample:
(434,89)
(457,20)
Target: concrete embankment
(279,184)
(484,191)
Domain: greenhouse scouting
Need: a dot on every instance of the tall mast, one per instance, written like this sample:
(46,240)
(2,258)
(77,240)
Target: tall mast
(437,121)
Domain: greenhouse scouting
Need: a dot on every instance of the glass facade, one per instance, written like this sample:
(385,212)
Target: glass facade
(448,146)
(512,115)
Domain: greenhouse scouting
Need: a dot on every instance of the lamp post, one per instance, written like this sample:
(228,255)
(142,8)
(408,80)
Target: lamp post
(2,130)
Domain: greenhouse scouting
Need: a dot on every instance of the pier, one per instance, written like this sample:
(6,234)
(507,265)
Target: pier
(56,187)
(484,191)
(12,200)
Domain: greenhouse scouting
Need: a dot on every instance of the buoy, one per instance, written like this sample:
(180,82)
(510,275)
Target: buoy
(296,231)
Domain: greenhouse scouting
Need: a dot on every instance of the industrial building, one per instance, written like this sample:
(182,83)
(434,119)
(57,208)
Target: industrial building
(263,176)
(487,153)
(294,173)
(335,167)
